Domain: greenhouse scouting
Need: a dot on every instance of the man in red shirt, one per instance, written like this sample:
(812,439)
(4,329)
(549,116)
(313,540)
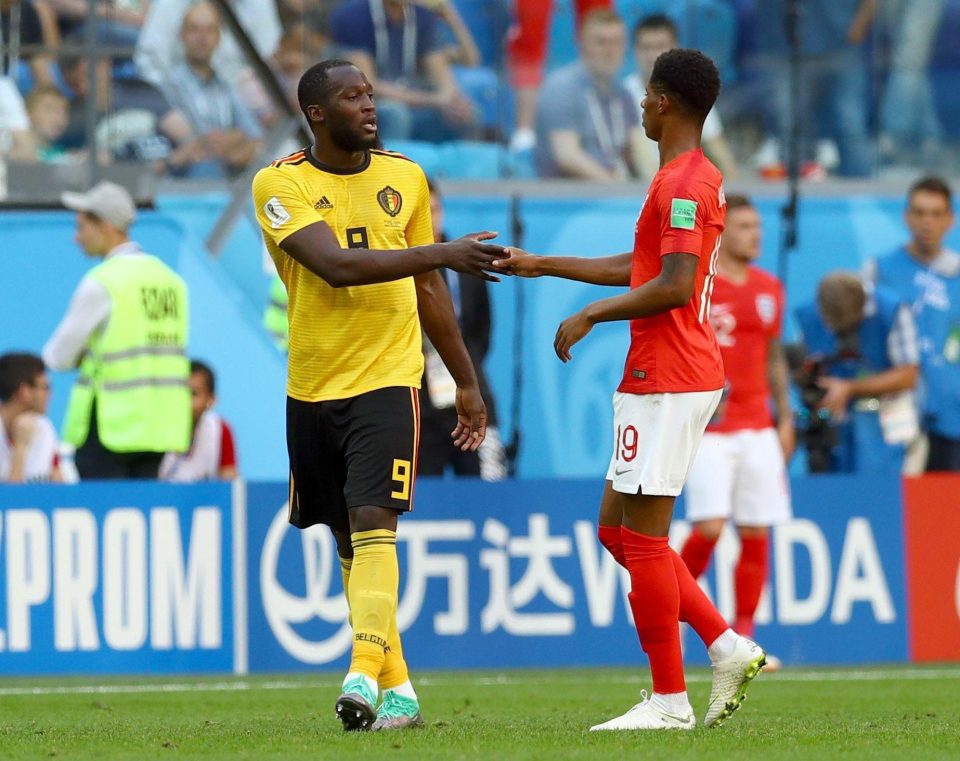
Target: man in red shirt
(739,471)
(671,385)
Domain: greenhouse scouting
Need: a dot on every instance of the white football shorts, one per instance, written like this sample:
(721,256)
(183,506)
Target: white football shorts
(739,476)
(655,439)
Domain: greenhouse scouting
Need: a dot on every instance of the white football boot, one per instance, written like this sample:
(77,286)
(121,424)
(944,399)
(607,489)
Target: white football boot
(647,715)
(731,677)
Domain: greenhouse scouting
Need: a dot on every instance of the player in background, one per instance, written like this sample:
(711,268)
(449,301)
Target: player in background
(348,227)
(671,385)
(739,472)
(212,454)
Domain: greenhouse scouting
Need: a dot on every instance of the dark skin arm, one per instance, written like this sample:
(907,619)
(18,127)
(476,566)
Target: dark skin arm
(605,270)
(317,249)
(440,324)
(672,288)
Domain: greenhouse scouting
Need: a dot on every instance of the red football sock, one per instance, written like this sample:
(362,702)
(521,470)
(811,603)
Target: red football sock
(695,607)
(696,552)
(748,580)
(610,538)
(655,602)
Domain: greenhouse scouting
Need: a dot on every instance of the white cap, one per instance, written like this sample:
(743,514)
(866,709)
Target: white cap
(106,200)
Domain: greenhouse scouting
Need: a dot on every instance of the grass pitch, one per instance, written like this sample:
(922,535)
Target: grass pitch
(896,713)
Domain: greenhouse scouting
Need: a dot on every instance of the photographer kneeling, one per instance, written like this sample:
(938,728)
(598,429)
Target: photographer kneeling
(860,358)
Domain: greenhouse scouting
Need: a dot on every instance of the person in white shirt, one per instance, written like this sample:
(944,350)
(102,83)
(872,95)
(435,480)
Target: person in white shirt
(653,35)
(28,441)
(212,452)
(159,45)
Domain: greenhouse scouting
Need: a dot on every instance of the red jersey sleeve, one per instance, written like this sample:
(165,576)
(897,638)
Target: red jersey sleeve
(228,454)
(682,213)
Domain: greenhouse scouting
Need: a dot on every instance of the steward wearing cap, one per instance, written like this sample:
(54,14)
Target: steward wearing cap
(126,331)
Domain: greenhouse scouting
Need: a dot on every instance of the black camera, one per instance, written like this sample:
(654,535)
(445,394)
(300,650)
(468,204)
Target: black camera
(814,423)
(817,429)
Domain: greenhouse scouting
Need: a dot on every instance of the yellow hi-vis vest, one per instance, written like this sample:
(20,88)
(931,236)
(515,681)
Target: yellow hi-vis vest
(136,367)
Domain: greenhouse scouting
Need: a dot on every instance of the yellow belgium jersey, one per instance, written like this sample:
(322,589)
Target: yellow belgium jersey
(347,341)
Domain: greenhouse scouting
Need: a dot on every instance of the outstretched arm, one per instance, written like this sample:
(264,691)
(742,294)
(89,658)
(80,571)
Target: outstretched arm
(604,270)
(317,249)
(672,288)
(440,324)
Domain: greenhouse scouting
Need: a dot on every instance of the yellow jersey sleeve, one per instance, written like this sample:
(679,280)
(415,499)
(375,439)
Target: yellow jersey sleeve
(281,205)
(419,230)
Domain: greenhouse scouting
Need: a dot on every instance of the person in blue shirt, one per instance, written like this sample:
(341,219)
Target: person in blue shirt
(398,45)
(926,275)
(866,344)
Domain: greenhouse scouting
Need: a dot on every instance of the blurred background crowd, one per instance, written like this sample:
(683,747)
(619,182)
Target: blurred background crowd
(482,88)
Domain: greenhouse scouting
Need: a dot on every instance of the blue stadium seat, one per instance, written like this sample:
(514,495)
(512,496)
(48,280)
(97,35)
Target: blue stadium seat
(468,160)
(488,21)
(427,155)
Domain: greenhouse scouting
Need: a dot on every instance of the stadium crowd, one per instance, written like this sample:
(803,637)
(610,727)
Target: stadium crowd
(557,91)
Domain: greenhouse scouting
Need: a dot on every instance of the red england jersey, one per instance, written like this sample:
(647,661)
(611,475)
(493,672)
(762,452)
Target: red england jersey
(745,316)
(676,351)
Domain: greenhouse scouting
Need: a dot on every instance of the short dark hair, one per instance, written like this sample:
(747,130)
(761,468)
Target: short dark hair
(655,22)
(738,201)
(202,368)
(315,85)
(932,184)
(689,77)
(17,368)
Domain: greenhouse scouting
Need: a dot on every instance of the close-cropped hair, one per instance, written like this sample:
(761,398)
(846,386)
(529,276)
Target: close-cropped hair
(688,77)
(16,369)
(315,86)
(655,22)
(737,201)
(932,184)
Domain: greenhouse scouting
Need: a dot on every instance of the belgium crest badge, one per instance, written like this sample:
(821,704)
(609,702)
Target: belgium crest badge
(390,201)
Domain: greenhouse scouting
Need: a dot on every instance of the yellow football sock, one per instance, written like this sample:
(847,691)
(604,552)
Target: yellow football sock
(345,565)
(394,672)
(372,592)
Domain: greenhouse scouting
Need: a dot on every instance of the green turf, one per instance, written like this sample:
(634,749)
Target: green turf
(891,713)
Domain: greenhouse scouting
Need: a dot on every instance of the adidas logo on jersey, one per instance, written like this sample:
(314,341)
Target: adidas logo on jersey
(323,203)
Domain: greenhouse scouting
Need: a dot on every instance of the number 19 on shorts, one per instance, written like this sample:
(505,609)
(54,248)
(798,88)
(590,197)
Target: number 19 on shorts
(627,441)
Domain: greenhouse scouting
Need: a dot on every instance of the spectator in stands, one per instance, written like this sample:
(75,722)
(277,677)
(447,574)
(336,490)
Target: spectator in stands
(22,31)
(159,45)
(118,22)
(527,51)
(438,416)
(653,35)
(300,46)
(28,441)
(866,347)
(212,452)
(25,34)
(833,93)
(908,116)
(587,125)
(49,112)
(926,274)
(223,135)
(134,120)
(126,330)
(396,44)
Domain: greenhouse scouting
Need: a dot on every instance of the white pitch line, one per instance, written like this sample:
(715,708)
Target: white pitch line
(491,681)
